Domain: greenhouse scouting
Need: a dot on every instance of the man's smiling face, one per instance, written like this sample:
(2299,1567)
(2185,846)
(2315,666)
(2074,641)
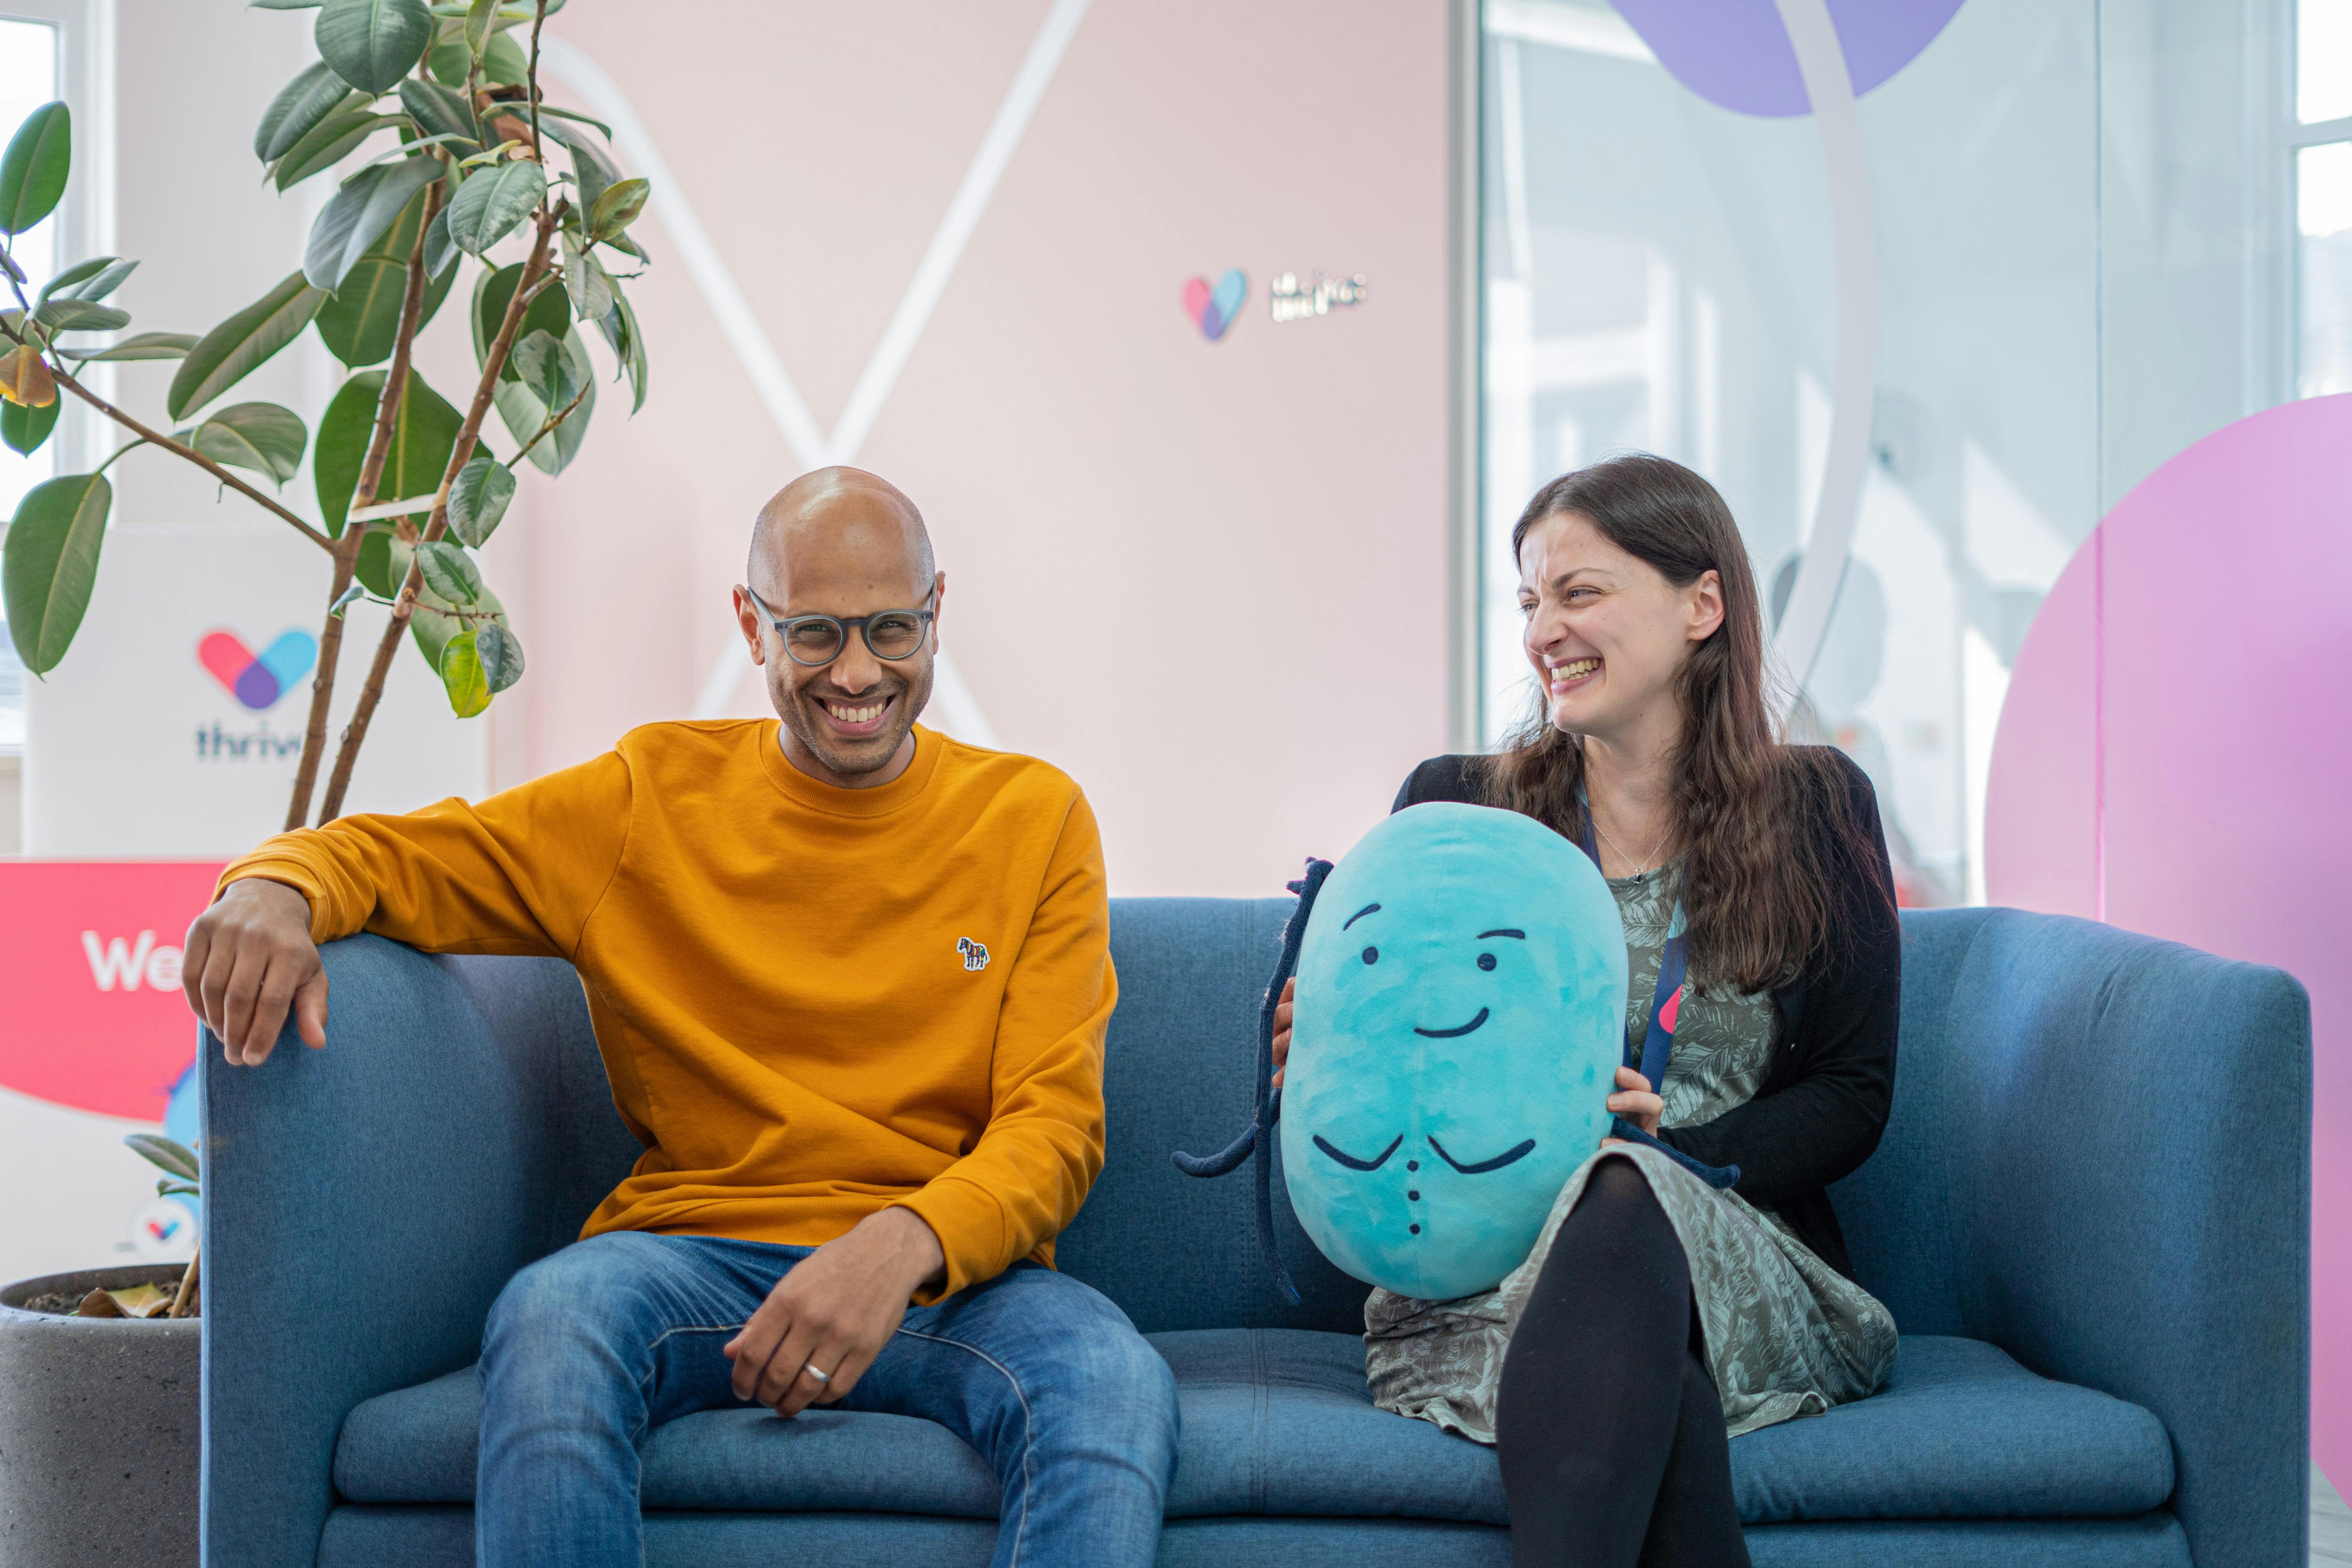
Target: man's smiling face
(842,543)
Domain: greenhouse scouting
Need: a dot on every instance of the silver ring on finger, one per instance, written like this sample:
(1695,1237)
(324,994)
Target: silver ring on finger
(810,1368)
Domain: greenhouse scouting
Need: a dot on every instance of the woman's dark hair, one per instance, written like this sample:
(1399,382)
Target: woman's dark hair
(1749,811)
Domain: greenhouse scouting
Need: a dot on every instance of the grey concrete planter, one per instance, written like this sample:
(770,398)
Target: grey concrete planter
(99,1431)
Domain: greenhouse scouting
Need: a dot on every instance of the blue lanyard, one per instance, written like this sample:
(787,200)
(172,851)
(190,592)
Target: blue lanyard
(1666,1008)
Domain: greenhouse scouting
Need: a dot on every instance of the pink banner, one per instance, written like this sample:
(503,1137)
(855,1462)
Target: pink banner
(89,965)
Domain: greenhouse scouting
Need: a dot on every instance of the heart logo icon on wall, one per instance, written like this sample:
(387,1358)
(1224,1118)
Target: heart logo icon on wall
(258,681)
(1213,309)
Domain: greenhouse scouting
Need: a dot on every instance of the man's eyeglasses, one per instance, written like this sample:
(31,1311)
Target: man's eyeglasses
(890,634)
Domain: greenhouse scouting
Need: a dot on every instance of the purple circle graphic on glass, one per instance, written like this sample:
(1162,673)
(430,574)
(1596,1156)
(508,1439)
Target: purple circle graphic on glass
(1735,53)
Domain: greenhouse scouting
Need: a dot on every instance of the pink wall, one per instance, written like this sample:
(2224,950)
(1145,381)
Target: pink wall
(1207,579)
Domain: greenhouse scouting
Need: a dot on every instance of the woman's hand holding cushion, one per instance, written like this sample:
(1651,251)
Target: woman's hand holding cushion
(1282,1028)
(1635,1104)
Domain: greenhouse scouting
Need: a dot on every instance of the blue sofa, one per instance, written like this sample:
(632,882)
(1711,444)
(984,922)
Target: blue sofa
(2090,1216)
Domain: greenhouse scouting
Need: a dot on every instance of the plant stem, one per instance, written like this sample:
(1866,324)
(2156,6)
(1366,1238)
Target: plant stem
(184,1300)
(531,77)
(157,438)
(119,451)
(494,364)
(347,548)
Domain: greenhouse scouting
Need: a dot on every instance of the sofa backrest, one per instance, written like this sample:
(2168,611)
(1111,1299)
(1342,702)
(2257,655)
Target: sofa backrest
(2001,1010)
(1179,1252)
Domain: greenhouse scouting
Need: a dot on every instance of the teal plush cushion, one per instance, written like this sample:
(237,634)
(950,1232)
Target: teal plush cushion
(1461,1011)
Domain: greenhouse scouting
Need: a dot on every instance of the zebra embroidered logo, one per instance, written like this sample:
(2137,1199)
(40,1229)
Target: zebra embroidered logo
(975,956)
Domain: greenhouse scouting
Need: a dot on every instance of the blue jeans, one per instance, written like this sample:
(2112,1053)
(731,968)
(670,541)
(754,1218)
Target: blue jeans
(591,1348)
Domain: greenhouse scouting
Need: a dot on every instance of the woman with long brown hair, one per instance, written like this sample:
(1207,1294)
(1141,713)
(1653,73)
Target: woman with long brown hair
(1660,1313)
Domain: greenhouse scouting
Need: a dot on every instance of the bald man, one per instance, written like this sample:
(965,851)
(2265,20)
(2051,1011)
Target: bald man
(850,980)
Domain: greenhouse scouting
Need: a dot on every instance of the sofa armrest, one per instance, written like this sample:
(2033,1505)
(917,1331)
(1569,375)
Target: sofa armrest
(2129,1179)
(363,1205)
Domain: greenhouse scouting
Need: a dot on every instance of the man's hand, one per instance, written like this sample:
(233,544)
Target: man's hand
(835,1312)
(247,958)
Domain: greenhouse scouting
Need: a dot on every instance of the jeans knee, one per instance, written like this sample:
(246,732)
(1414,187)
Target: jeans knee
(571,1309)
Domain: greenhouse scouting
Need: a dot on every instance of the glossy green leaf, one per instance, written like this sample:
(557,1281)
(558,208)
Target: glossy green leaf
(382,562)
(282,5)
(66,314)
(584,281)
(369,203)
(33,170)
(617,206)
(299,105)
(227,353)
(261,437)
(372,44)
(440,252)
(592,170)
(503,63)
(8,268)
(105,283)
(501,654)
(548,111)
(450,572)
(330,141)
(165,1154)
(423,432)
(143,345)
(362,323)
(548,312)
(628,343)
(481,21)
(435,109)
(545,369)
(436,621)
(51,563)
(523,412)
(448,61)
(478,499)
(492,201)
(462,676)
(24,429)
(63,282)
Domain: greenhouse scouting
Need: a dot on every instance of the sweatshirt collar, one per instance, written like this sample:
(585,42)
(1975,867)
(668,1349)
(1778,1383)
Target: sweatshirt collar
(818,795)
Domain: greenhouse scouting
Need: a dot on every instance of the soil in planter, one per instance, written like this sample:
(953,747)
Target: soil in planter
(65,1304)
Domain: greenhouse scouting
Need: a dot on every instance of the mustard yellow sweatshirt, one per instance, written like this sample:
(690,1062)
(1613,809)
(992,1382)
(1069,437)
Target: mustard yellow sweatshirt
(813,1003)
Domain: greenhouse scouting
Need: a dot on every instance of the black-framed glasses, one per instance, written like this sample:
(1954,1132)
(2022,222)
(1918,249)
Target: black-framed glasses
(890,634)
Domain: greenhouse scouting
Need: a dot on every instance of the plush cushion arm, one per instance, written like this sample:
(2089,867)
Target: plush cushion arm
(363,1205)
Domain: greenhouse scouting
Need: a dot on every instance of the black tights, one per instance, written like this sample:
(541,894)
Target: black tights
(1610,1432)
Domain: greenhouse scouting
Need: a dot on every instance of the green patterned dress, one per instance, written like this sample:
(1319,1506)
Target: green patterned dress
(1786,1334)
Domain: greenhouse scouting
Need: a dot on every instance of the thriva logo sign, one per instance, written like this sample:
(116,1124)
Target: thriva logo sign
(258,680)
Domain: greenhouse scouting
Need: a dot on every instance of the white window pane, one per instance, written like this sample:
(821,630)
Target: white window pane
(28,78)
(2323,178)
(2323,59)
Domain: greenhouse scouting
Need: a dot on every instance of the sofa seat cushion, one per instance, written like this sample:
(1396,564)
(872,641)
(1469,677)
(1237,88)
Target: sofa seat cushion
(1278,1422)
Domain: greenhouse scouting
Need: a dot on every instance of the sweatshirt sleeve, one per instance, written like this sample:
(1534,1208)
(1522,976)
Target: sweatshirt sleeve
(1043,1148)
(518,873)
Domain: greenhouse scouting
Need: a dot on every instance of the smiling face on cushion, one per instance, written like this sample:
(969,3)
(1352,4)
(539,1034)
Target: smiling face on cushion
(1461,1008)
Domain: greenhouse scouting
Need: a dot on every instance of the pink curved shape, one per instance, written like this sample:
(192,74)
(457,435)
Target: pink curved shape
(2225,632)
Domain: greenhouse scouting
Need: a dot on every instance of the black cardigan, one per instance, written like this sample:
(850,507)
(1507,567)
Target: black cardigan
(1824,1099)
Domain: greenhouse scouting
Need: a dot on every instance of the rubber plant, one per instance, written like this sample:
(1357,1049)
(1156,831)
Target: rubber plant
(432,118)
